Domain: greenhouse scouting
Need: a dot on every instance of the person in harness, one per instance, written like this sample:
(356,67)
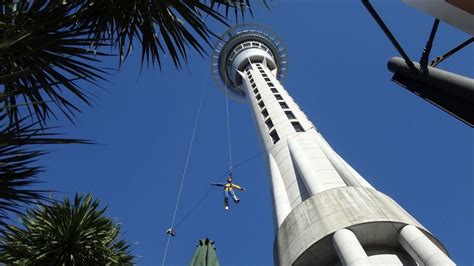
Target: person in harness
(229,190)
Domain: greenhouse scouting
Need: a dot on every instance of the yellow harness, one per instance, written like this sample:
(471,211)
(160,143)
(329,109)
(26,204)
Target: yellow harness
(229,186)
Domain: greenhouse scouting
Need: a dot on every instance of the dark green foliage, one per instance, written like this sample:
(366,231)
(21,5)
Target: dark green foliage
(47,46)
(49,51)
(65,233)
(42,53)
(17,163)
(160,26)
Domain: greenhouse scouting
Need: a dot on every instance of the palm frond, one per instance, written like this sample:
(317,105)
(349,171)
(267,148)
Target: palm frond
(47,46)
(240,7)
(159,26)
(42,52)
(65,233)
(162,27)
(18,157)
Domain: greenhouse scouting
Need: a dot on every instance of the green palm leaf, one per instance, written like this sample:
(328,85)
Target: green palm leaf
(238,6)
(42,52)
(159,26)
(18,169)
(65,233)
(48,46)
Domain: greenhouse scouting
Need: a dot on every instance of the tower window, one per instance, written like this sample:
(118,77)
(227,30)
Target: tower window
(261,104)
(290,115)
(270,84)
(253,85)
(284,105)
(269,123)
(255,91)
(297,126)
(278,97)
(274,136)
(274,90)
(265,113)
(267,79)
(251,80)
(258,97)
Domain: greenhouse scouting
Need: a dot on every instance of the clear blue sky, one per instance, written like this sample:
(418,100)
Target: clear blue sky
(404,146)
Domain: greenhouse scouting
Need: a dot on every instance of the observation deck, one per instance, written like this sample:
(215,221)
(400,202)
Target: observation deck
(239,46)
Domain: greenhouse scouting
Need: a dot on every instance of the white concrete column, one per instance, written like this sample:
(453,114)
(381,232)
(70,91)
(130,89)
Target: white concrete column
(348,248)
(360,180)
(303,165)
(348,174)
(421,248)
(280,198)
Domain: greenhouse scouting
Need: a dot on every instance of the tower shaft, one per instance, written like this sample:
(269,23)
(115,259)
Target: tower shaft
(324,211)
(282,125)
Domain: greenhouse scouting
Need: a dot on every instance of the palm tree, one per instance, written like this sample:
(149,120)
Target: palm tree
(65,233)
(48,46)
(20,147)
(51,49)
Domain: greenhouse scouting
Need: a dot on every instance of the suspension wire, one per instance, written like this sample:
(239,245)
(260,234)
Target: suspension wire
(196,121)
(228,128)
(249,159)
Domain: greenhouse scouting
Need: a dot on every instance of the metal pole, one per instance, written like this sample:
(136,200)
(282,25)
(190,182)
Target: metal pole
(387,32)
(429,44)
(440,59)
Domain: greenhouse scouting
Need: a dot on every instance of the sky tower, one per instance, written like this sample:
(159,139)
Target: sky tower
(325,213)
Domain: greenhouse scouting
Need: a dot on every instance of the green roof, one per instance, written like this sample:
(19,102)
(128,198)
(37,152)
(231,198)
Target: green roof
(205,254)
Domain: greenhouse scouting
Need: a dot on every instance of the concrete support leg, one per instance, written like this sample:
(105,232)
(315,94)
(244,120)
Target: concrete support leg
(280,198)
(309,177)
(348,248)
(421,248)
(350,176)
